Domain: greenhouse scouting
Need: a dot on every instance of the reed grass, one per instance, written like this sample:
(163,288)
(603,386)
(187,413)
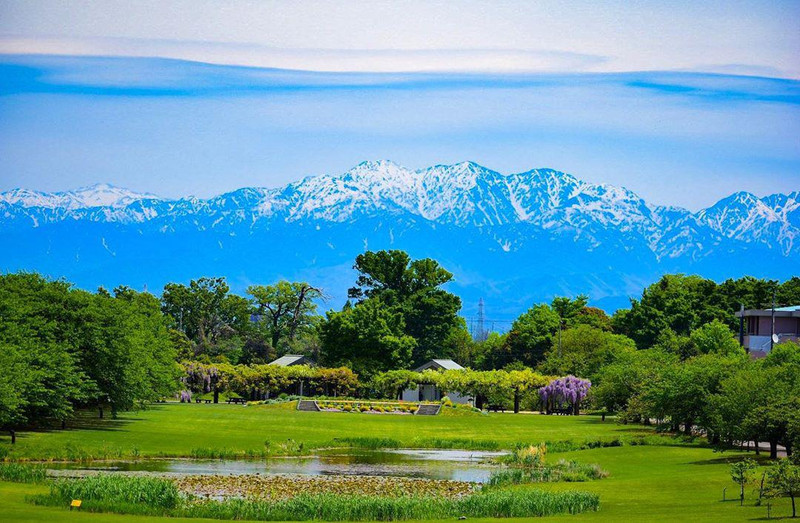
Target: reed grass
(19,473)
(419,443)
(156,493)
(563,470)
(157,496)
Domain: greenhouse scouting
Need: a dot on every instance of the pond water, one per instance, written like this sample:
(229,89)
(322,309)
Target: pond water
(473,466)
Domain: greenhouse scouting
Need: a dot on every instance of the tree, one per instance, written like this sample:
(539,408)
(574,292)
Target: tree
(568,309)
(716,338)
(205,310)
(584,351)
(731,407)
(287,308)
(622,385)
(567,392)
(393,276)
(676,302)
(531,335)
(784,480)
(390,280)
(368,338)
(741,474)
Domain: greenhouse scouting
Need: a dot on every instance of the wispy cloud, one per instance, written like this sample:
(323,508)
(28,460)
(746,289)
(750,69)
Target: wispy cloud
(175,127)
(325,60)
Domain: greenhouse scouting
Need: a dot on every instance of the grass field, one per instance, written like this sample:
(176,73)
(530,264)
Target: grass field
(176,429)
(673,482)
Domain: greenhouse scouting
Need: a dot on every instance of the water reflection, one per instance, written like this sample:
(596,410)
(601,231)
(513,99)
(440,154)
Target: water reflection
(474,466)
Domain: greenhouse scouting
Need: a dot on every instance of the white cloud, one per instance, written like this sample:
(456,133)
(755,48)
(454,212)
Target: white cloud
(546,35)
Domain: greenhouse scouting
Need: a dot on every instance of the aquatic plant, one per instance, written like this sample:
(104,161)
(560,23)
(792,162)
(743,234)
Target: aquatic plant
(283,487)
(19,473)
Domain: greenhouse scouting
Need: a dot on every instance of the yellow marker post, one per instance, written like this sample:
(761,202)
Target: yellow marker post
(76,503)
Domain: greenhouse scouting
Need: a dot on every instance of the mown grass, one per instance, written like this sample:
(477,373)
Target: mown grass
(183,430)
(667,479)
(157,496)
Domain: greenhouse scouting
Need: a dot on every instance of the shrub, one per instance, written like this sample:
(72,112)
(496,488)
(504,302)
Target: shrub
(447,402)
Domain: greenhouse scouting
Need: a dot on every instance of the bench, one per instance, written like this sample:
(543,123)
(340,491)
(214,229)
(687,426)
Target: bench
(495,408)
(234,401)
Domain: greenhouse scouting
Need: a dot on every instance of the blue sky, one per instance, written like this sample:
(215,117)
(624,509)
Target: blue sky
(683,105)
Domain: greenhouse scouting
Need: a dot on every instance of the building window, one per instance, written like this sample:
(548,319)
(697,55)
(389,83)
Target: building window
(752,325)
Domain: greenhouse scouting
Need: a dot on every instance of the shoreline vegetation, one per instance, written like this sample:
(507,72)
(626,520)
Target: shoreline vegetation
(74,452)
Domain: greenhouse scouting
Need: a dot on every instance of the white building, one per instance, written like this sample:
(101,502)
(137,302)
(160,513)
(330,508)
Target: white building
(430,392)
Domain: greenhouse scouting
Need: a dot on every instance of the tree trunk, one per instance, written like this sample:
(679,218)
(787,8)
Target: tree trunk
(741,494)
(794,509)
(687,427)
(773,449)
(758,447)
(101,412)
(216,394)
(516,401)
(63,424)
(13,436)
(603,417)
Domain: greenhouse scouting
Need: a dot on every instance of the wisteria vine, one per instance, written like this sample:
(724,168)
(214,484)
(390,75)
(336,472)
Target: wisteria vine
(564,393)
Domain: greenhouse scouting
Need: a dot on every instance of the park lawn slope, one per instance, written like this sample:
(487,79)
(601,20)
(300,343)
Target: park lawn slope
(179,430)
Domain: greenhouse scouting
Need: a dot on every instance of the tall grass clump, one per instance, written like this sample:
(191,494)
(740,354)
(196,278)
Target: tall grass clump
(570,471)
(114,489)
(368,443)
(19,473)
(156,496)
(333,507)
(456,443)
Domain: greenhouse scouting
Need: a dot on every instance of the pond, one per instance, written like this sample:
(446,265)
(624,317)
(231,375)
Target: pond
(458,465)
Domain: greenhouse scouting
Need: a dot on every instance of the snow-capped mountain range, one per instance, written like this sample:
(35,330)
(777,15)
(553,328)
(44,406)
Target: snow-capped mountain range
(542,229)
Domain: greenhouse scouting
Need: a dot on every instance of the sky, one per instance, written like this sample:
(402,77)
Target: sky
(681,102)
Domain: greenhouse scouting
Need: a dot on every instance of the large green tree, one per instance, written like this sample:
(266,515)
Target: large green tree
(287,309)
(412,289)
(531,336)
(584,350)
(208,314)
(368,338)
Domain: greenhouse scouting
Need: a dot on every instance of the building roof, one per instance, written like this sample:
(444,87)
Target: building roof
(439,365)
(292,359)
(792,311)
(790,308)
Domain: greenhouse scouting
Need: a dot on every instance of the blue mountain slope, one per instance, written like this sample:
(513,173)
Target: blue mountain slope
(511,239)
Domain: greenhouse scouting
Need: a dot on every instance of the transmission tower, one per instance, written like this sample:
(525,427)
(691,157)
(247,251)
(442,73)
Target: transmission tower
(481,333)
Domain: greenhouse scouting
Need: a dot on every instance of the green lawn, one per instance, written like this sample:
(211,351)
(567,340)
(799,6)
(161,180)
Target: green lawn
(646,483)
(175,429)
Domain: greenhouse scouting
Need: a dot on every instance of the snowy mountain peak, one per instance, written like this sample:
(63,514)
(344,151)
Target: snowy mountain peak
(464,194)
(105,195)
(97,195)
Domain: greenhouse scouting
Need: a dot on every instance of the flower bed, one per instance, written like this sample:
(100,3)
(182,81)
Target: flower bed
(368,407)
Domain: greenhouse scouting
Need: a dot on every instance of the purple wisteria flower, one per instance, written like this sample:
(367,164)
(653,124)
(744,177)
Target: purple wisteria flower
(563,393)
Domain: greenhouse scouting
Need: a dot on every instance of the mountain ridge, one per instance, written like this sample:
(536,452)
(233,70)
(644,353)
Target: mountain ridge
(528,221)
